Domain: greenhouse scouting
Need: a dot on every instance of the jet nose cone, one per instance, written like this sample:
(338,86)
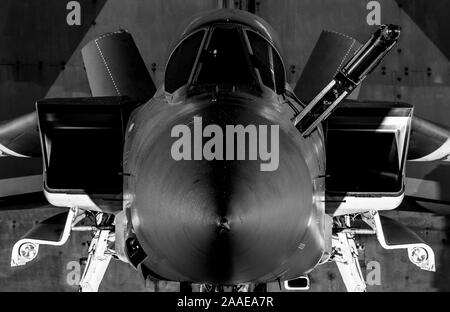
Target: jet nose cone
(220,221)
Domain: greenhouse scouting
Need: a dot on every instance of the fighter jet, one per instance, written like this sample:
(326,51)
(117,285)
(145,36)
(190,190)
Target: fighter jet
(225,175)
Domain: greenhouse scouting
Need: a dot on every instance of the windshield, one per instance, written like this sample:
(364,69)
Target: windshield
(267,62)
(224,60)
(182,61)
(225,55)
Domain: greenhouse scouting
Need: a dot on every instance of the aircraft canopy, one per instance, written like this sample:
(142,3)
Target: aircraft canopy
(225,55)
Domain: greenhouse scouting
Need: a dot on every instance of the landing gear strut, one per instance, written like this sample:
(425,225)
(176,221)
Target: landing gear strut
(97,262)
(346,257)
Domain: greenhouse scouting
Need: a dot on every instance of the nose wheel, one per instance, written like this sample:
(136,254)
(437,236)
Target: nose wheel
(185,287)
(222,288)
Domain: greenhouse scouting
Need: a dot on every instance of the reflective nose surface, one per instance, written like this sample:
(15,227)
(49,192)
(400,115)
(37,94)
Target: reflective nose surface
(220,221)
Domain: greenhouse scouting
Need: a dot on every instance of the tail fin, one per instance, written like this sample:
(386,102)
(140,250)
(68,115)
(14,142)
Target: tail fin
(331,51)
(115,67)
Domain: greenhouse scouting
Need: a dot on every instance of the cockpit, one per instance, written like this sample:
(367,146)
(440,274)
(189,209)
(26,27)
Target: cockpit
(225,55)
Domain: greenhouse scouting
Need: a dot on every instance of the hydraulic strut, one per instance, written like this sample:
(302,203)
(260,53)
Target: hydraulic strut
(348,78)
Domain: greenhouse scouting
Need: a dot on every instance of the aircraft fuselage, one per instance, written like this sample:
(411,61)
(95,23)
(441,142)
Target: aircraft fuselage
(222,187)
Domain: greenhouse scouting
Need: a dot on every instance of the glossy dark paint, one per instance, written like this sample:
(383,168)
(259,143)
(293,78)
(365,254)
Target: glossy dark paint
(224,221)
(275,218)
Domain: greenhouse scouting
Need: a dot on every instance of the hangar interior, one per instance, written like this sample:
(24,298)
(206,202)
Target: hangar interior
(41,58)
